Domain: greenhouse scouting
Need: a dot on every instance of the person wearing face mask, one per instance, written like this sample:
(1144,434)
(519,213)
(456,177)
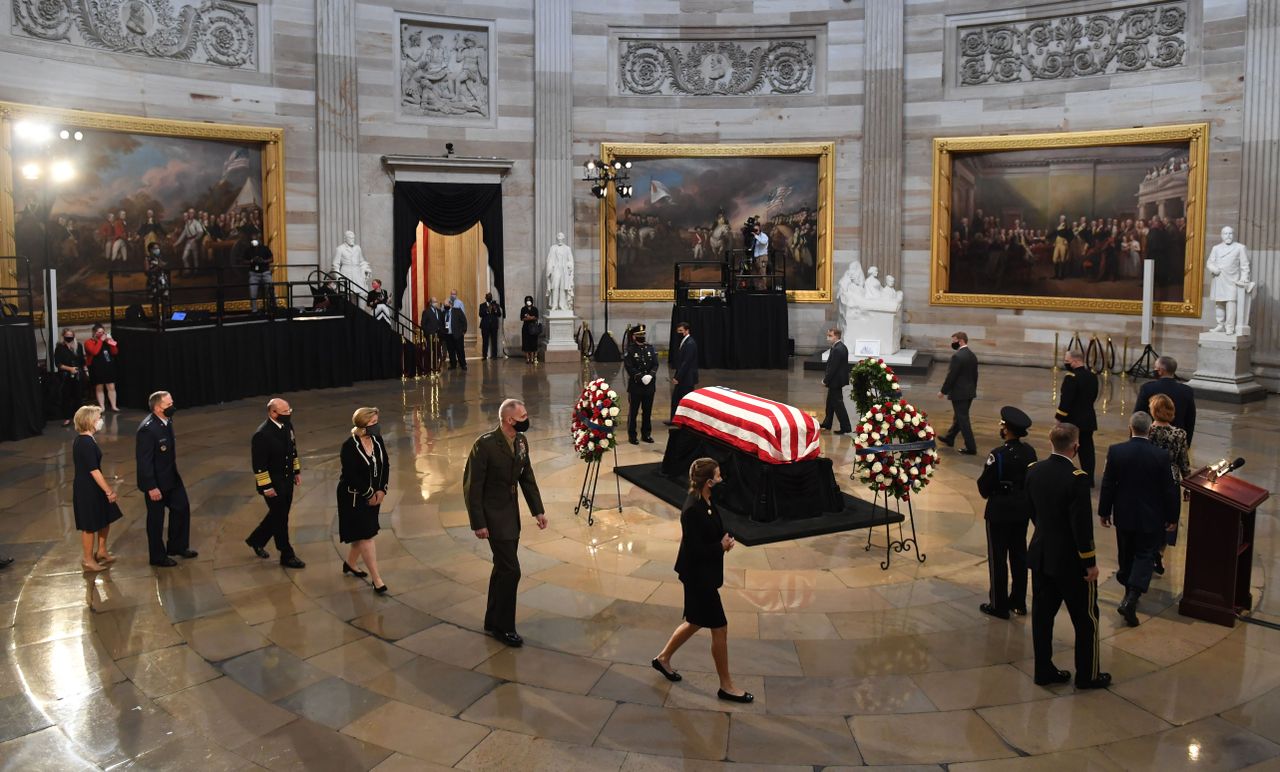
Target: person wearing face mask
(1075,406)
(156,456)
(361,491)
(277,472)
(835,379)
(700,565)
(100,357)
(490,318)
(684,366)
(530,330)
(497,464)
(1003,484)
(68,357)
(641,362)
(92,497)
(961,387)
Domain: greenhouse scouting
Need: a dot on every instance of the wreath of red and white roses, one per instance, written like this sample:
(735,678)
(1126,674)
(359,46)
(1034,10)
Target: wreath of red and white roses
(594,417)
(894,472)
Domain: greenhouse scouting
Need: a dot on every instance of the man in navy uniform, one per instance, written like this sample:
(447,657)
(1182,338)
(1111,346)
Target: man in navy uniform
(1075,406)
(1063,561)
(1003,484)
(684,366)
(1167,383)
(157,465)
(277,471)
(961,387)
(835,379)
(641,362)
(1138,486)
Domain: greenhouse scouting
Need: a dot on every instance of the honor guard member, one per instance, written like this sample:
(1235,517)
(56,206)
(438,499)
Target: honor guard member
(1075,406)
(641,362)
(1063,560)
(1003,484)
(277,471)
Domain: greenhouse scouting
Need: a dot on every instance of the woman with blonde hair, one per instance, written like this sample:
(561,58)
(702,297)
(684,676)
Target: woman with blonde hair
(700,565)
(1165,435)
(92,499)
(361,490)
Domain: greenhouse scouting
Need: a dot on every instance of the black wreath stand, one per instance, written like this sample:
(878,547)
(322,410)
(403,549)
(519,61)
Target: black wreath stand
(587,495)
(903,543)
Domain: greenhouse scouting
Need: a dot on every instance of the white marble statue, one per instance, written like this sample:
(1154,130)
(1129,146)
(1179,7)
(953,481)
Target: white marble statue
(887,298)
(560,276)
(1228,264)
(869,310)
(349,261)
(872,286)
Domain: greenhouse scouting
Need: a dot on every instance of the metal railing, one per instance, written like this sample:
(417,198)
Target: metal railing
(17,296)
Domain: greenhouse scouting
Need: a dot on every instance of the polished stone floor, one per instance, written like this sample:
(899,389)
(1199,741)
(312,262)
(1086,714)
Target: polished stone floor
(230,662)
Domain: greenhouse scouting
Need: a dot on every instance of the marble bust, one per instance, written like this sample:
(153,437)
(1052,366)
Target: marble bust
(871,287)
(348,261)
(559,275)
(1231,287)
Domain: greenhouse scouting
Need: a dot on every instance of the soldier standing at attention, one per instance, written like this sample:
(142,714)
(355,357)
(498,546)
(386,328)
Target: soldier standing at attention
(1003,484)
(641,362)
(277,472)
(1075,406)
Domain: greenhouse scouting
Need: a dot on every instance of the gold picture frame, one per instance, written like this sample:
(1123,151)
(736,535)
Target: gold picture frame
(822,152)
(269,141)
(1118,159)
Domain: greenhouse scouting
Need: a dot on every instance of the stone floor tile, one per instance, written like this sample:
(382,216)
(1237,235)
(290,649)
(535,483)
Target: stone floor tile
(540,667)
(393,622)
(418,733)
(303,745)
(225,711)
(47,750)
(979,687)
(362,659)
(690,734)
(924,738)
(309,633)
(115,724)
(632,683)
(221,636)
(818,740)
(332,702)
(503,750)
(844,696)
(1071,721)
(165,671)
(452,644)
(432,685)
(1210,743)
(272,673)
(542,713)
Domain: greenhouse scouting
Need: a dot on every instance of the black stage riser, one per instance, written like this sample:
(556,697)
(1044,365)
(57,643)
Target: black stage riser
(21,404)
(748,333)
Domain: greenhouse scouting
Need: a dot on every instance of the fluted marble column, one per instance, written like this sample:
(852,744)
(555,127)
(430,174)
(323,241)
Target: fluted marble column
(882,137)
(337,124)
(552,147)
(1260,184)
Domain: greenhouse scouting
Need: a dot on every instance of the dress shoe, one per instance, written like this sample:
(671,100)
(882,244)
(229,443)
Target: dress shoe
(822,428)
(670,675)
(188,554)
(1128,608)
(647,439)
(381,590)
(1101,682)
(950,443)
(744,697)
(346,569)
(292,562)
(6,562)
(1020,611)
(259,551)
(511,639)
(105,558)
(992,611)
(164,563)
(967,452)
(1159,567)
(634,441)
(1058,677)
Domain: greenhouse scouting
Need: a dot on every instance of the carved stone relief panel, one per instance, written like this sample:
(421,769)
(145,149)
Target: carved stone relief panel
(220,33)
(717,67)
(446,69)
(1152,36)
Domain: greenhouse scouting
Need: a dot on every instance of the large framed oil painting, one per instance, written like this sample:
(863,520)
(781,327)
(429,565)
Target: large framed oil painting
(92,207)
(690,205)
(1065,221)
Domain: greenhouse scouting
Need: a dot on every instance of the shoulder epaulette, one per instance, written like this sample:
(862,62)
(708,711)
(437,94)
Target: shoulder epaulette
(1080,472)
(1070,374)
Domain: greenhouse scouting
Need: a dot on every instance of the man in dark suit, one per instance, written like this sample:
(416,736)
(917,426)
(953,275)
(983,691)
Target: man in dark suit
(1166,382)
(835,379)
(490,318)
(1139,488)
(1003,484)
(1063,561)
(641,362)
(684,366)
(433,329)
(1075,406)
(498,462)
(455,326)
(277,472)
(157,465)
(961,387)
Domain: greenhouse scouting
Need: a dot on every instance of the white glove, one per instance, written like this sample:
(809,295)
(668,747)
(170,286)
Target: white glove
(646,379)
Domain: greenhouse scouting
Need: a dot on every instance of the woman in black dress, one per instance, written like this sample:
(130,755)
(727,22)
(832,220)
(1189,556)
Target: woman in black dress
(700,564)
(100,355)
(92,498)
(361,489)
(530,330)
(68,357)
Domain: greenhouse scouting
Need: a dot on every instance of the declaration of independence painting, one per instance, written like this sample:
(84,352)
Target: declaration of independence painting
(692,201)
(1066,221)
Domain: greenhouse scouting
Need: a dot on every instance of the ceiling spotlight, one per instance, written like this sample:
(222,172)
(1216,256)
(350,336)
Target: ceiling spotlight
(64,134)
(627,164)
(30,131)
(61,171)
(31,171)
(617,165)
(78,136)
(591,165)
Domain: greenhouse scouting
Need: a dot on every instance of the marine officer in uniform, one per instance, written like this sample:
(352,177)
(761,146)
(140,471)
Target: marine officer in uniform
(1075,406)
(277,471)
(498,462)
(1063,562)
(641,362)
(157,464)
(1003,484)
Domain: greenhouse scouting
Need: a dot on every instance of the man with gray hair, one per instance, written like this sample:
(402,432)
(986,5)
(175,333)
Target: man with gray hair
(156,462)
(497,464)
(277,471)
(1167,383)
(1139,489)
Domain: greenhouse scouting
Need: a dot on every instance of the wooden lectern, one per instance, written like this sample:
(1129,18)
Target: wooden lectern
(1219,547)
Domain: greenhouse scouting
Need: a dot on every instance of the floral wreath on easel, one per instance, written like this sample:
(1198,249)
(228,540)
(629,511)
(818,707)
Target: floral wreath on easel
(594,417)
(872,381)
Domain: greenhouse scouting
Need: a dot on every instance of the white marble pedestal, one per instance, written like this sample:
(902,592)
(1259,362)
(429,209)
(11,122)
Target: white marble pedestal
(882,326)
(1223,369)
(560,344)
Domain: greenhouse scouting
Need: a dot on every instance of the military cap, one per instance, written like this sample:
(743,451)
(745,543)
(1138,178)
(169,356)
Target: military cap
(1015,419)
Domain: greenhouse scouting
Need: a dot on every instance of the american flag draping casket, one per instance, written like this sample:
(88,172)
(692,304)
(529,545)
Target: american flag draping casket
(771,431)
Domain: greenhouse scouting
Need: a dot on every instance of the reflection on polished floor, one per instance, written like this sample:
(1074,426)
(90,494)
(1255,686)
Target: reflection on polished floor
(230,662)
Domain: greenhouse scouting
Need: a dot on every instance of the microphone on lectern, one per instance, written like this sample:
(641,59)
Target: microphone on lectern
(1239,462)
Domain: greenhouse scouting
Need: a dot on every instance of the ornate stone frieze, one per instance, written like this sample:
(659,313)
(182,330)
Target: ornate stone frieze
(445,69)
(717,67)
(214,32)
(1143,37)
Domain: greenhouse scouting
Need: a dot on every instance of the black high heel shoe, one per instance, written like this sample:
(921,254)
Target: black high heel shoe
(346,569)
(381,590)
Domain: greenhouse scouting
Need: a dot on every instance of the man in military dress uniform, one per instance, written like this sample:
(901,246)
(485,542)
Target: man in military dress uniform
(1003,484)
(498,462)
(1063,560)
(641,362)
(277,471)
(157,464)
(1075,406)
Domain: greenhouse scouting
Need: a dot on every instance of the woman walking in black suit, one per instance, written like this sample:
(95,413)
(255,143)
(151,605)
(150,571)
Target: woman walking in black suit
(92,497)
(361,489)
(700,564)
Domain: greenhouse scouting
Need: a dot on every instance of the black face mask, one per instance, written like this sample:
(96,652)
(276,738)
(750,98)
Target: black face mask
(285,419)
(521,426)
(373,431)
(169,411)
(955,345)
(69,339)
